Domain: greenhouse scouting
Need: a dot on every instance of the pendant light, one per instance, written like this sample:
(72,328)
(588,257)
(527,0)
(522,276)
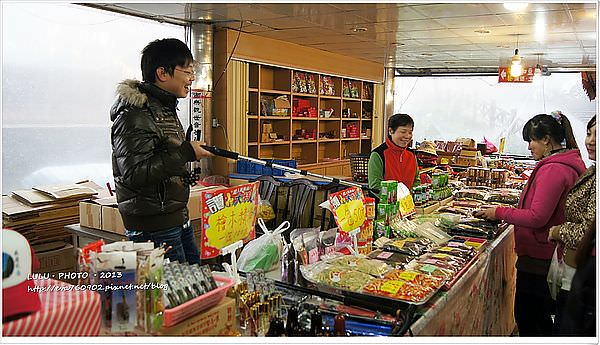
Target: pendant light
(537,71)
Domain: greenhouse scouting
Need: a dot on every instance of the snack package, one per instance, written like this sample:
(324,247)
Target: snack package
(415,277)
(369,266)
(463,252)
(348,207)
(405,246)
(343,278)
(298,243)
(444,261)
(430,269)
(328,241)
(392,258)
(398,289)
(265,210)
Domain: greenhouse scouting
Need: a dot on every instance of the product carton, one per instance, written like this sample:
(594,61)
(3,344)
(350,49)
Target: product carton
(58,260)
(214,321)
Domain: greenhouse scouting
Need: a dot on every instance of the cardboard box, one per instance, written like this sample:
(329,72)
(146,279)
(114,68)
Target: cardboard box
(214,321)
(101,214)
(468,152)
(466,161)
(267,128)
(112,220)
(58,260)
(90,214)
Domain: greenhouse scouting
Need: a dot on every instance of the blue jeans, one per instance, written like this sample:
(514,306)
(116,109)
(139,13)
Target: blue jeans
(180,238)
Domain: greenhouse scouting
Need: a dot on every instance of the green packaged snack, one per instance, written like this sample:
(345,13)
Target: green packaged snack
(389,191)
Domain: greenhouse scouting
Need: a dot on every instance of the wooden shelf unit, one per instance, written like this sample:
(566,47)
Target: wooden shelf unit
(268,82)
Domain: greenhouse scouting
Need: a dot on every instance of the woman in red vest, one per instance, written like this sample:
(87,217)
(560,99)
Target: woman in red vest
(393,160)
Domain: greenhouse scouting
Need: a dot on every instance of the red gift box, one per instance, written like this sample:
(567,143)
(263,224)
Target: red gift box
(65,312)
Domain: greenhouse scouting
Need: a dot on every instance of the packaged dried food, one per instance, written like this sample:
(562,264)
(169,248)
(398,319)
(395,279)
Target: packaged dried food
(364,265)
(404,247)
(415,277)
(430,269)
(467,203)
(399,289)
(456,262)
(392,258)
(343,278)
(471,193)
(464,252)
(504,195)
(265,210)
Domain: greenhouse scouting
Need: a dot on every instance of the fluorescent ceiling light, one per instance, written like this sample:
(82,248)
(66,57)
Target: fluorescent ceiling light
(515,6)
(540,27)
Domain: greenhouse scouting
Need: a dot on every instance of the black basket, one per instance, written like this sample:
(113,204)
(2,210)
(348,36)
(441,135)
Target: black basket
(359,165)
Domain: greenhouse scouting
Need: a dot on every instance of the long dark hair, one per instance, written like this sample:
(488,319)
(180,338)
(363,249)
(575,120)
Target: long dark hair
(543,125)
(591,123)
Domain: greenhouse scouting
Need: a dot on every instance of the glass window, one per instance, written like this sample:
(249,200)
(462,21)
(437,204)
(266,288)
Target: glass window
(447,108)
(60,67)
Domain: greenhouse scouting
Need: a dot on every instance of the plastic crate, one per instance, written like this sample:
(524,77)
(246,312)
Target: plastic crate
(194,306)
(359,165)
(245,167)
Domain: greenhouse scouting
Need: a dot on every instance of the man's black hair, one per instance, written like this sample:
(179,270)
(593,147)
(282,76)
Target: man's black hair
(398,120)
(166,53)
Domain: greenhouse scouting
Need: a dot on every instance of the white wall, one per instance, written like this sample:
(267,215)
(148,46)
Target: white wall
(446,108)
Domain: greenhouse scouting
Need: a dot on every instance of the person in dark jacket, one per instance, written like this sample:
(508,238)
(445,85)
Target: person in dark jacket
(149,151)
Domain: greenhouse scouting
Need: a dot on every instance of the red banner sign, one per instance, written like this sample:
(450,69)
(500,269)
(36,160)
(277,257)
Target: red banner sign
(505,77)
(228,215)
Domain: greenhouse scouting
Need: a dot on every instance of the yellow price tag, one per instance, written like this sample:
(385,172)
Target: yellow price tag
(351,215)
(406,205)
(475,245)
(440,256)
(445,249)
(408,276)
(392,286)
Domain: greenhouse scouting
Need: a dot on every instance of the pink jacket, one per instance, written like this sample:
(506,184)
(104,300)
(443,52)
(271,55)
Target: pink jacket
(542,203)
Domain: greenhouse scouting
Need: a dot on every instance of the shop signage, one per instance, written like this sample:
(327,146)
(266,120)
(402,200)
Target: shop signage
(505,77)
(228,215)
(348,208)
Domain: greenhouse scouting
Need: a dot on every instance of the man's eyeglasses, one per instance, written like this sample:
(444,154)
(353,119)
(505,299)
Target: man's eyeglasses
(190,74)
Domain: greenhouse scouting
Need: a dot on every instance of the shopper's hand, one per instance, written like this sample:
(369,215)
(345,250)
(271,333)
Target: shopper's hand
(199,151)
(553,234)
(488,213)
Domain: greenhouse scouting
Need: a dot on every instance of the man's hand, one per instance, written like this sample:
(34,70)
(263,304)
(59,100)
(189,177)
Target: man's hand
(199,151)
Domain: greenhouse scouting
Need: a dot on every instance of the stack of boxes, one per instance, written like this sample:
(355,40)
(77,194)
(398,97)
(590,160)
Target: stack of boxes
(387,209)
(351,131)
(303,108)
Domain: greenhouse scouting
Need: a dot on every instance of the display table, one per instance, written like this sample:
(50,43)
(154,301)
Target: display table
(481,302)
(82,232)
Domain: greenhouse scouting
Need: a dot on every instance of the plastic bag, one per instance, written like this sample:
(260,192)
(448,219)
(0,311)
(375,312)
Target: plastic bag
(555,274)
(265,210)
(489,146)
(263,252)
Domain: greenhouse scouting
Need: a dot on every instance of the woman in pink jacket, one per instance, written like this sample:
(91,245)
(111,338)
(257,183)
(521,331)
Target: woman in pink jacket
(541,206)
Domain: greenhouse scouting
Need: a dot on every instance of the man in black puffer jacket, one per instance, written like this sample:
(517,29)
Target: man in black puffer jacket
(149,151)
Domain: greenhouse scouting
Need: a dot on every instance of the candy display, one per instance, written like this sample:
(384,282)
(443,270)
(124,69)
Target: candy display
(399,289)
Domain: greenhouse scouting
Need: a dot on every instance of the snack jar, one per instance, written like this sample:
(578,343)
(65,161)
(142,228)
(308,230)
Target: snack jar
(370,207)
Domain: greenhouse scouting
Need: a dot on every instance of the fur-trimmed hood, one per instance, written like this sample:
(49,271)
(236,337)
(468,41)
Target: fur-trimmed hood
(128,94)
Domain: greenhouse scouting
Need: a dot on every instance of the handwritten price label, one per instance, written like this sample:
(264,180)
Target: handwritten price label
(392,286)
(408,276)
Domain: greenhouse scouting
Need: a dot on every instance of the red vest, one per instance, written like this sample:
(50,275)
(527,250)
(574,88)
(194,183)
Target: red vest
(400,164)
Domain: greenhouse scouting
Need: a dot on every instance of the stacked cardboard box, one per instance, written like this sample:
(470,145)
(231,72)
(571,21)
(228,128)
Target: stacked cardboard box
(104,214)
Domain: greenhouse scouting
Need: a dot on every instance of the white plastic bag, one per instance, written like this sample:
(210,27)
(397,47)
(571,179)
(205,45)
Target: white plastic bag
(264,252)
(555,274)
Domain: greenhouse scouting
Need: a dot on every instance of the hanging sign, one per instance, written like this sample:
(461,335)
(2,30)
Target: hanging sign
(228,215)
(198,97)
(505,77)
